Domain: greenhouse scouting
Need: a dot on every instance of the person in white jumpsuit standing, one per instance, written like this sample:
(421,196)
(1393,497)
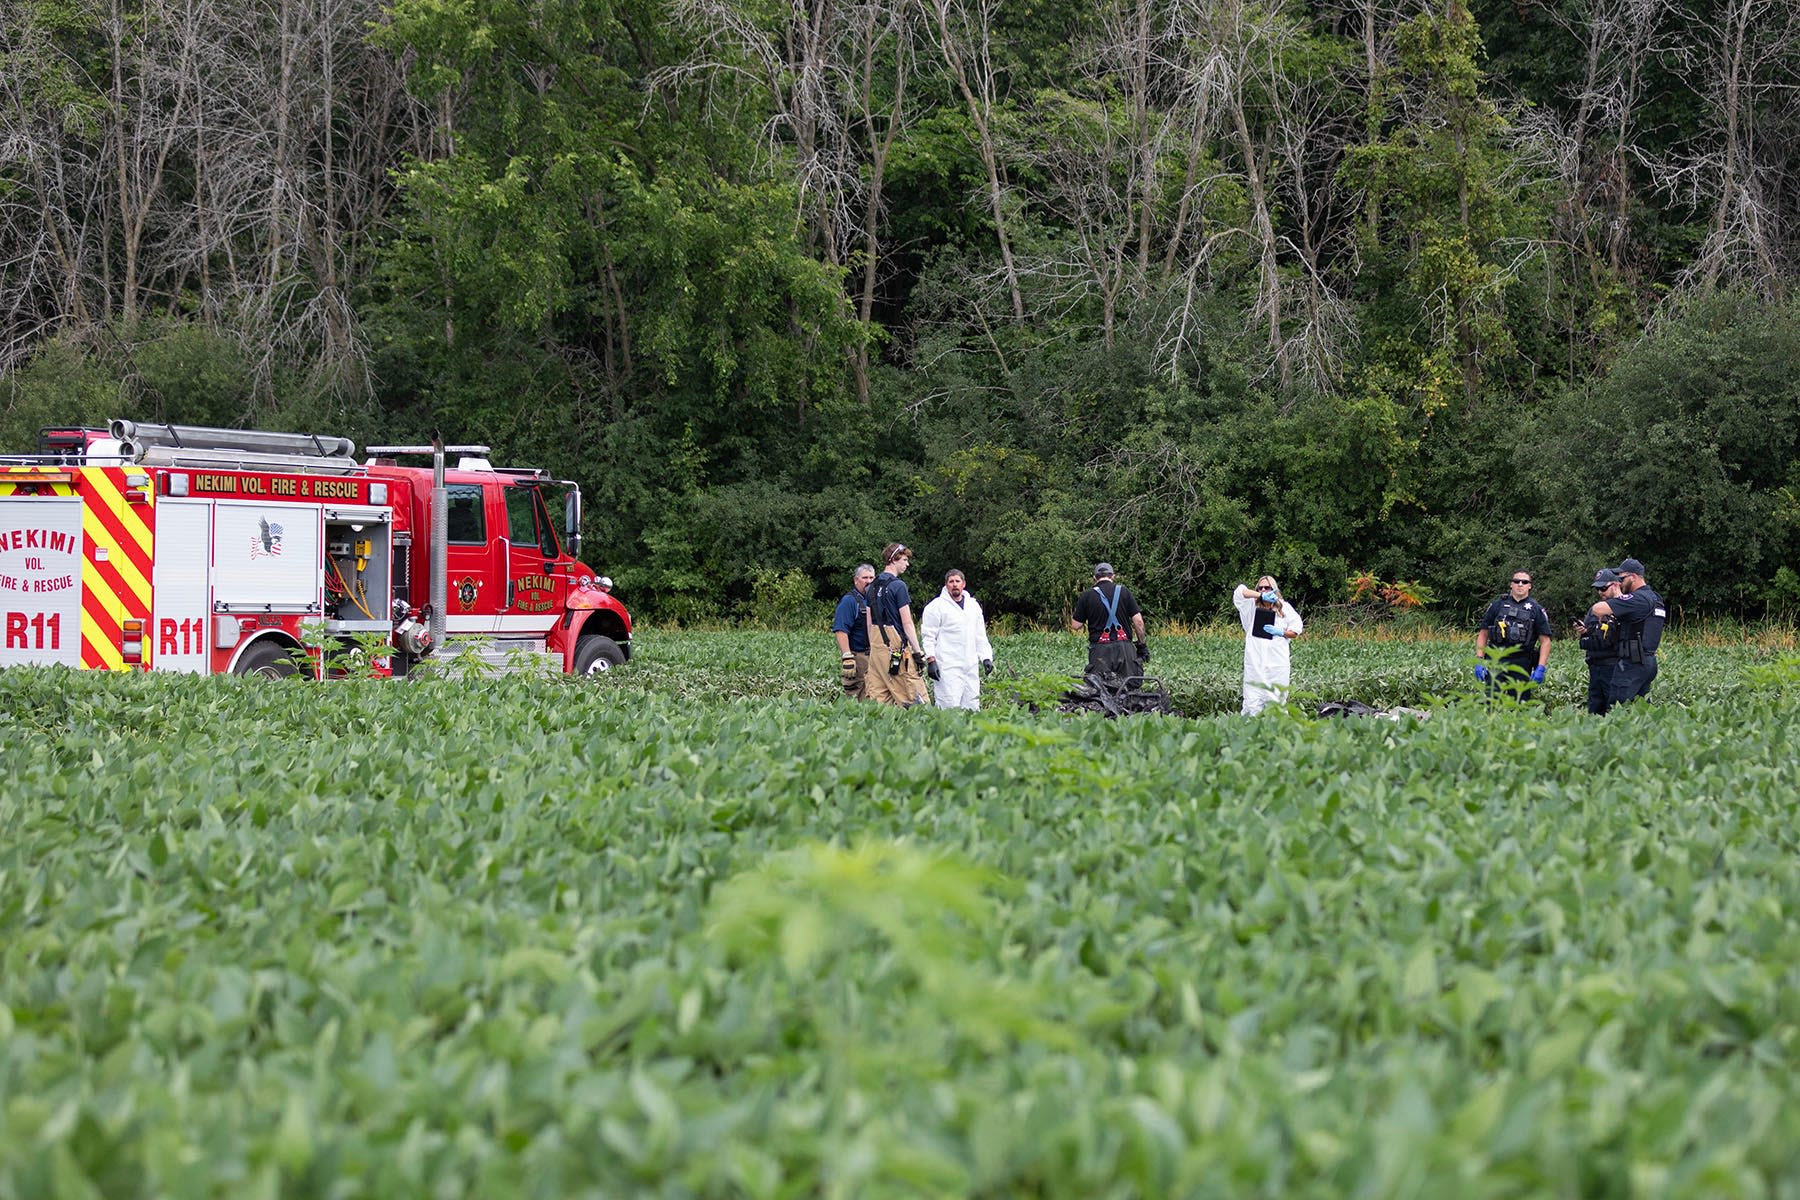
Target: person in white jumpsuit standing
(953,634)
(1269,624)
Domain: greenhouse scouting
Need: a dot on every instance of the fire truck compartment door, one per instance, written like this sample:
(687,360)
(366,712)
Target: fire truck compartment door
(266,557)
(40,581)
(183,602)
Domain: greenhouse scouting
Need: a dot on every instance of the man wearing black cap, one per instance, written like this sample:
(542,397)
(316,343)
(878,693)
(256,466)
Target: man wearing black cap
(1105,609)
(1641,614)
(1516,631)
(1599,638)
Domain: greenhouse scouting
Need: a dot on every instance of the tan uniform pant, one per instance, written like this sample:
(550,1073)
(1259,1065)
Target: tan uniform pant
(902,689)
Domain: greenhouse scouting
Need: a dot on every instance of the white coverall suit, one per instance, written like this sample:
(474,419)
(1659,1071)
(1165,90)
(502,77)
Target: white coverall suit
(1265,658)
(956,635)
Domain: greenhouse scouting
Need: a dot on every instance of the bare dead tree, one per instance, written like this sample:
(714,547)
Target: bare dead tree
(799,64)
(1591,153)
(1098,143)
(1373,23)
(1741,60)
(221,159)
(51,178)
(836,77)
(1082,148)
(962,33)
(149,95)
(1272,125)
(883,113)
(1311,126)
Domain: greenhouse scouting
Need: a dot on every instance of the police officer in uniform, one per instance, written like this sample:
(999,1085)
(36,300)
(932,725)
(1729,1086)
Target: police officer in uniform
(1107,609)
(1599,639)
(1642,614)
(1518,630)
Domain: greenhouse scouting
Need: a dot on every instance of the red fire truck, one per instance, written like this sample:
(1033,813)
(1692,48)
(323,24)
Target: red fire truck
(182,548)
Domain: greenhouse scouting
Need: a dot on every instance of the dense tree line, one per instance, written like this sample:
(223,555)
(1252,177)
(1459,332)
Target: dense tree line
(1205,287)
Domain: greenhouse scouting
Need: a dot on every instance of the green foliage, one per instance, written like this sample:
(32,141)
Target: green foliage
(1039,692)
(1441,195)
(1405,665)
(161,369)
(325,655)
(1784,593)
(611,291)
(1782,675)
(62,386)
(1699,427)
(552,939)
(785,600)
(603,255)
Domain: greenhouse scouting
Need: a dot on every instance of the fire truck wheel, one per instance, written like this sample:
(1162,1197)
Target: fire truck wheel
(597,655)
(267,660)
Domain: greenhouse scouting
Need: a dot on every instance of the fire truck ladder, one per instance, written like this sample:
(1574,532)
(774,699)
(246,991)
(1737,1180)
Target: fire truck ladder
(230,449)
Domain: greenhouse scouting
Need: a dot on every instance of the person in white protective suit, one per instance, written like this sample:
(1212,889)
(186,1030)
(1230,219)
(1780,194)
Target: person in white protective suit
(1270,623)
(953,634)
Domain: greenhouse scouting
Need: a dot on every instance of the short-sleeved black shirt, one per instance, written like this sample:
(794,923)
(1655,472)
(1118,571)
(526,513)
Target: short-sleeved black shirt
(1091,608)
(1508,609)
(1641,616)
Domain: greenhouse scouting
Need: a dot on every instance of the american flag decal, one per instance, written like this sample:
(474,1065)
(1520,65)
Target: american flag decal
(266,541)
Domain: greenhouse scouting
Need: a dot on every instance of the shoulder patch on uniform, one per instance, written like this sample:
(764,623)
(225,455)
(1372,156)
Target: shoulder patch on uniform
(1662,612)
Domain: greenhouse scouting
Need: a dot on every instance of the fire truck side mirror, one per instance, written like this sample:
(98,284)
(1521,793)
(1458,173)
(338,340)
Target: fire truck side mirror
(572,522)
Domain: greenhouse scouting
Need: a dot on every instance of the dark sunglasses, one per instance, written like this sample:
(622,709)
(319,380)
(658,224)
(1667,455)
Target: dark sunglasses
(1526,582)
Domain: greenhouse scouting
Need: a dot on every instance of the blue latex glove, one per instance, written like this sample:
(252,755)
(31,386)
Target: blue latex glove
(1270,630)
(1481,673)
(1537,674)
(1269,595)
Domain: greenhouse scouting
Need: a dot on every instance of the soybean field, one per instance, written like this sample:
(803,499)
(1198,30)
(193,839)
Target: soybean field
(704,929)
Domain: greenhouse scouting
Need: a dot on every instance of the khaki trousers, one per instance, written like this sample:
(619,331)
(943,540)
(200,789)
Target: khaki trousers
(902,689)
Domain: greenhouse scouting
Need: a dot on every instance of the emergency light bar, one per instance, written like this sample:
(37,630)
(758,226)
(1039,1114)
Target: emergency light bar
(427,451)
(37,476)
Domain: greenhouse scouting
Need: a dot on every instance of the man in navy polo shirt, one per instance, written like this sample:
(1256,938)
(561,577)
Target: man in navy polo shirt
(851,629)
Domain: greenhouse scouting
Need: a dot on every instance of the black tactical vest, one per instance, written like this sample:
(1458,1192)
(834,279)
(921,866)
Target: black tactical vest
(1641,636)
(1600,637)
(1514,625)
